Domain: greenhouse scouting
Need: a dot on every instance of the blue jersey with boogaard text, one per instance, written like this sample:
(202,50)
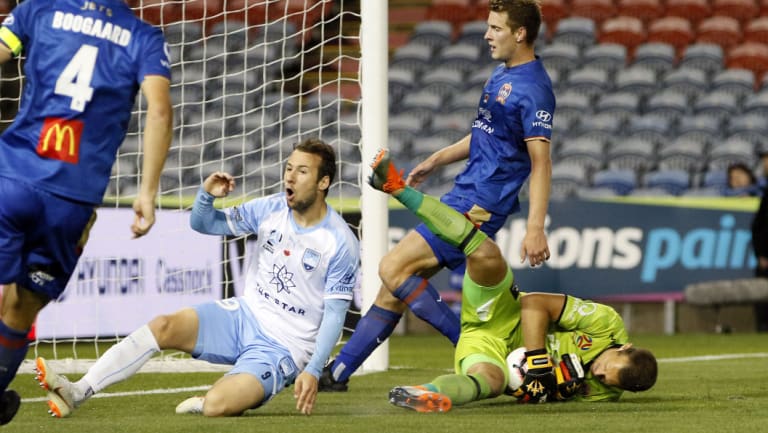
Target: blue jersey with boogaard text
(85,62)
(517,105)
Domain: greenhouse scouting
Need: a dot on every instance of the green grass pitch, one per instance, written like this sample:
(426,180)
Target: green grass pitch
(709,392)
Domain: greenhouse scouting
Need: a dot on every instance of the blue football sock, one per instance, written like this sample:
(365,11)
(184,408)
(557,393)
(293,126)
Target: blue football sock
(13,349)
(426,304)
(372,329)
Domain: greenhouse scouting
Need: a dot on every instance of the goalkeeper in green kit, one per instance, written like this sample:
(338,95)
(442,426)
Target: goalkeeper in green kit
(576,349)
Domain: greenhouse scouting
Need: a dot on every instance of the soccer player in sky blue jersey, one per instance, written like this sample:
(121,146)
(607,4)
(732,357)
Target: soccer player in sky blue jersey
(281,331)
(509,142)
(85,62)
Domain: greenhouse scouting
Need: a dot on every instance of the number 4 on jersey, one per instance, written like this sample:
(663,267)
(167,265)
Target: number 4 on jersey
(75,79)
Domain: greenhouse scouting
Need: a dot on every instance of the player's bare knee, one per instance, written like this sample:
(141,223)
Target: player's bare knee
(162,328)
(390,271)
(216,405)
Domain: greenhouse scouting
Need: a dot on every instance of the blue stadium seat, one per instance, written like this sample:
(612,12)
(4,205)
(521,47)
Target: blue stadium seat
(686,80)
(675,182)
(621,181)
(657,56)
(716,179)
(575,30)
(632,154)
(432,33)
(560,56)
(667,103)
(637,79)
(607,56)
(703,56)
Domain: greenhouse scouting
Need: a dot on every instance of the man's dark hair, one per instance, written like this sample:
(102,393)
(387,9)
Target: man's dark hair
(521,13)
(326,153)
(640,374)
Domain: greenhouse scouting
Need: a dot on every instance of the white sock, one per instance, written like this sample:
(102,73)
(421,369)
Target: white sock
(118,363)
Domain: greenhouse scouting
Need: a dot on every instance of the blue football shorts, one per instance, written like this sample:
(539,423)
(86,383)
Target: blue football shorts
(229,334)
(41,237)
(448,255)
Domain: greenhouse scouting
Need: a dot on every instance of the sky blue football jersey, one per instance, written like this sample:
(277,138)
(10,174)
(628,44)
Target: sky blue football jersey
(85,61)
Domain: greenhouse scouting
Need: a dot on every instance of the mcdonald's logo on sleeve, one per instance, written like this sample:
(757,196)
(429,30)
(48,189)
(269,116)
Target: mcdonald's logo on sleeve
(60,139)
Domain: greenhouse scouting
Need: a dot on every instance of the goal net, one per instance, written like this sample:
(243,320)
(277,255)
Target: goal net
(250,79)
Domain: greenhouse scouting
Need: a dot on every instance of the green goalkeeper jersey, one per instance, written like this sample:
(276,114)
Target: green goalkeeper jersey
(587,328)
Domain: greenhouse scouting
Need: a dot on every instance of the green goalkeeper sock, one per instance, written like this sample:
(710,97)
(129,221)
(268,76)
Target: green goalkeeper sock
(461,388)
(445,222)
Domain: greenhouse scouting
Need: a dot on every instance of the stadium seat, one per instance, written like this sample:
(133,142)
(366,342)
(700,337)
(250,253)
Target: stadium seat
(596,10)
(584,152)
(715,179)
(199,10)
(731,150)
(442,81)
(406,16)
(750,127)
(640,80)
(401,82)
(459,57)
(756,30)
(449,126)
(413,57)
(421,104)
(651,127)
(577,31)
(181,33)
(560,56)
(742,10)
(425,146)
(602,127)
(621,105)
(721,30)
(473,32)
(721,105)
(635,154)
(683,154)
(453,11)
(592,193)
(707,57)
(757,103)
(645,10)
(674,182)
(624,30)
(703,128)
(740,82)
(404,127)
(703,192)
(607,56)
(572,105)
(465,103)
(658,56)
(749,55)
(668,103)
(686,80)
(156,12)
(553,11)
(566,178)
(692,10)
(676,31)
(477,78)
(235,34)
(435,34)
(589,81)
(621,181)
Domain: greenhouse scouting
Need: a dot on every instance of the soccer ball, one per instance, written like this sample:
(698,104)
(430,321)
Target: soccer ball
(517,368)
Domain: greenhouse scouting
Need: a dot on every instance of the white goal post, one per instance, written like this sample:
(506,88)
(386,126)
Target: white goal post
(250,79)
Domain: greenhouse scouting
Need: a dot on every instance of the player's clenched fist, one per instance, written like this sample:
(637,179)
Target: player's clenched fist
(570,377)
(539,381)
(219,184)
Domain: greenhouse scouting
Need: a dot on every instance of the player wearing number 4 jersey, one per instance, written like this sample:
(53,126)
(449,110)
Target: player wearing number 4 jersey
(85,62)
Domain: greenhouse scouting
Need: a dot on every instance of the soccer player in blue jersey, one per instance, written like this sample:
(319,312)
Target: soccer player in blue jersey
(281,331)
(497,318)
(509,142)
(85,62)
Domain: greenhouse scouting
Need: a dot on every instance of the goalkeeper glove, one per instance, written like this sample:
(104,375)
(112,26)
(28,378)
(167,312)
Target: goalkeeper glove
(539,381)
(570,377)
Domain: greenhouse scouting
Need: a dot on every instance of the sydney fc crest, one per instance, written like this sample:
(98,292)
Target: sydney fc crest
(310,259)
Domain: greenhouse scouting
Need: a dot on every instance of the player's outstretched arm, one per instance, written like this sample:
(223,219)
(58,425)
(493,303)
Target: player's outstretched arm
(157,139)
(455,152)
